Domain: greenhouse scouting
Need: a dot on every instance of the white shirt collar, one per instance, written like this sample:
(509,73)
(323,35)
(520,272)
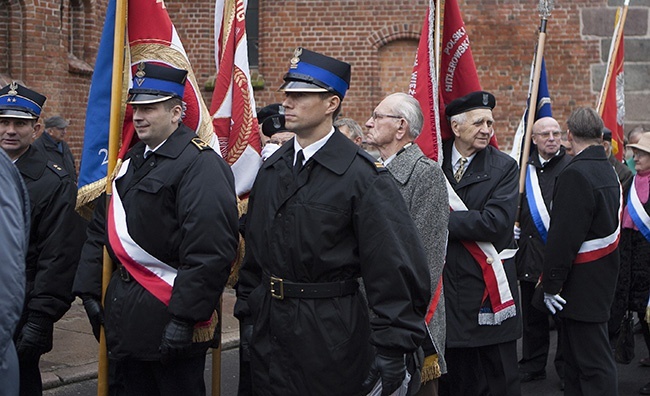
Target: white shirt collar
(148,149)
(310,150)
(455,157)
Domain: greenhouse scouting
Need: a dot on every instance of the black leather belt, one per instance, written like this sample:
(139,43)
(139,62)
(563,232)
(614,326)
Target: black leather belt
(124,274)
(282,289)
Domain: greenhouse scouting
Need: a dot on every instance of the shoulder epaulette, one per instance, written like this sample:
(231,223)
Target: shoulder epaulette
(200,144)
(57,169)
(378,165)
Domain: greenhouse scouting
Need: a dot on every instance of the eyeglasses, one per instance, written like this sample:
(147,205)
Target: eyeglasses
(546,135)
(376,116)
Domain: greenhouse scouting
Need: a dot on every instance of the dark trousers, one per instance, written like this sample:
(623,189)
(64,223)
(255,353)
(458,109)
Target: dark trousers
(245,387)
(536,338)
(486,370)
(589,365)
(131,377)
(30,377)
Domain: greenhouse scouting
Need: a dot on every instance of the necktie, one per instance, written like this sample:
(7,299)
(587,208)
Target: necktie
(298,165)
(461,169)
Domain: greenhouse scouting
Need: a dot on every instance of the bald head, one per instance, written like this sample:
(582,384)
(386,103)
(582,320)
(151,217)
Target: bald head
(547,136)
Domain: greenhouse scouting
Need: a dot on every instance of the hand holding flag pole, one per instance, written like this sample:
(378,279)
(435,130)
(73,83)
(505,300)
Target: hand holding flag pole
(545,7)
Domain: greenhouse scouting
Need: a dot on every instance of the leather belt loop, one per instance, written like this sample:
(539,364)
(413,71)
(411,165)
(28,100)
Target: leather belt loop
(281,288)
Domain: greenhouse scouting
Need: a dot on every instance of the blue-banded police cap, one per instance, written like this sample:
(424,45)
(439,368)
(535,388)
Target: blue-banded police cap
(471,101)
(313,72)
(17,101)
(154,83)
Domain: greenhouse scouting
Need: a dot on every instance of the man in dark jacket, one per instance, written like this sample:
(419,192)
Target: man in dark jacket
(50,262)
(171,229)
(480,282)
(546,161)
(321,214)
(14,237)
(53,144)
(624,173)
(581,257)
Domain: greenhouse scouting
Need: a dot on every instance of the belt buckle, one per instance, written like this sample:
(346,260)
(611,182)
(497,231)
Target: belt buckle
(279,294)
(124,274)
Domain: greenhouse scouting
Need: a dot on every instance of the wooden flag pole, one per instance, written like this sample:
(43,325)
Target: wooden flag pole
(545,8)
(613,50)
(113,148)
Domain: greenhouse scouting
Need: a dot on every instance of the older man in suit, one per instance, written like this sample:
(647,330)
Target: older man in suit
(392,128)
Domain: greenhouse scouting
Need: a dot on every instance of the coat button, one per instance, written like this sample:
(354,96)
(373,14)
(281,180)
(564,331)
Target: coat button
(489,260)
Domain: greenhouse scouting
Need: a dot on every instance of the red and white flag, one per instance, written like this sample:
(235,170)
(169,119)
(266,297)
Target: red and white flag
(424,88)
(233,104)
(612,108)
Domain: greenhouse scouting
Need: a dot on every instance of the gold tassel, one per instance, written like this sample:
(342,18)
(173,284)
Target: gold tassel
(430,368)
(242,208)
(204,332)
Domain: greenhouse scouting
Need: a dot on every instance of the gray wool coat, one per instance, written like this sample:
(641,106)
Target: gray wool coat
(421,182)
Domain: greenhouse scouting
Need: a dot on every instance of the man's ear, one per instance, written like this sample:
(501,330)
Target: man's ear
(402,129)
(37,129)
(177,113)
(332,104)
(455,128)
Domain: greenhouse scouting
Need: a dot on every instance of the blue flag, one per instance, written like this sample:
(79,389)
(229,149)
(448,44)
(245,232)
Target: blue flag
(94,157)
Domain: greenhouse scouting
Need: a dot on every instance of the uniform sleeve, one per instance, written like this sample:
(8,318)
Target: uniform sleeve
(57,246)
(495,220)
(13,248)
(207,213)
(250,272)
(88,280)
(393,266)
(573,202)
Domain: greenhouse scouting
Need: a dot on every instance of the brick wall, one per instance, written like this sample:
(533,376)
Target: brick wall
(378,37)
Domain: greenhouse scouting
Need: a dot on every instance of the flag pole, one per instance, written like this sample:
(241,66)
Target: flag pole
(613,49)
(545,7)
(113,148)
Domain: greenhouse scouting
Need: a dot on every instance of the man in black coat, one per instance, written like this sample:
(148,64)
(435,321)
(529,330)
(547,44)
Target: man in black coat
(323,213)
(53,144)
(480,287)
(546,161)
(581,258)
(171,229)
(51,260)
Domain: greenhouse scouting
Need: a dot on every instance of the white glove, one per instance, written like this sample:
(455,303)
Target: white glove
(553,302)
(517,232)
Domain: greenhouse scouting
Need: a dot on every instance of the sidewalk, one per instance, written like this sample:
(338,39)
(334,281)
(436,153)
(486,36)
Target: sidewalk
(74,356)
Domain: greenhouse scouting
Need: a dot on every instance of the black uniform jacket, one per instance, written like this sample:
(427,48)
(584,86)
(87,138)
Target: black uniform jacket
(489,190)
(341,218)
(530,255)
(585,207)
(46,144)
(53,250)
(181,208)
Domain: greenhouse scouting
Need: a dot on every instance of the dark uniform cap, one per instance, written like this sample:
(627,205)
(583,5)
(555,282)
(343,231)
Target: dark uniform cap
(607,134)
(471,101)
(313,72)
(271,118)
(17,101)
(56,122)
(156,83)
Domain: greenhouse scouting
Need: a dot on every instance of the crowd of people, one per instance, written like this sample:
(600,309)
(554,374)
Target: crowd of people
(383,274)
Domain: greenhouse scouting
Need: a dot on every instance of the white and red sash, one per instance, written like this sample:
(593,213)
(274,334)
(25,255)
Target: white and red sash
(595,249)
(538,210)
(154,275)
(496,282)
(637,212)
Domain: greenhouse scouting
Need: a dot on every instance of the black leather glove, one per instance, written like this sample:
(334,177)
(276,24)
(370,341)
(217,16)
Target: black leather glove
(246,335)
(176,340)
(35,337)
(391,370)
(95,314)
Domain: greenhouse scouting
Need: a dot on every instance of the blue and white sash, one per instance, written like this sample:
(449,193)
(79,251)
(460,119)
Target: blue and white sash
(637,212)
(538,210)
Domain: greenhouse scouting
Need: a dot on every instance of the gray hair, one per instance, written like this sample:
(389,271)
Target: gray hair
(585,124)
(353,127)
(459,118)
(409,108)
